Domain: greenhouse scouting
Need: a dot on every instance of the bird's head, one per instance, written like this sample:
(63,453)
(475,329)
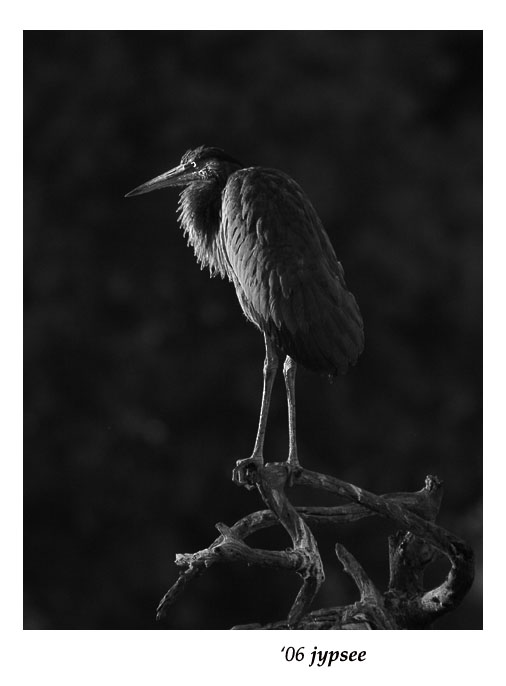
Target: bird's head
(202,165)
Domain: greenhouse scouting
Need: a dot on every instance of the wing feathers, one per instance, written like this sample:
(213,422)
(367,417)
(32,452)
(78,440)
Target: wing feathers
(286,274)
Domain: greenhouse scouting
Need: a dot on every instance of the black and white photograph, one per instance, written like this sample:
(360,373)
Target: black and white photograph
(260,343)
(295,443)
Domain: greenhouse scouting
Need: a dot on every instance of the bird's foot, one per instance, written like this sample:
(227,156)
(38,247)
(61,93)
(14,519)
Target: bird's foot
(244,472)
(294,466)
(294,469)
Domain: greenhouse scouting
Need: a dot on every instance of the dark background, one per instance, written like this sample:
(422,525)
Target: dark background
(142,377)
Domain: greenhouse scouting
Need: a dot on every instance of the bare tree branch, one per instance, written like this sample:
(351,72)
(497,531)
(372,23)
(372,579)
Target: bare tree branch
(405,604)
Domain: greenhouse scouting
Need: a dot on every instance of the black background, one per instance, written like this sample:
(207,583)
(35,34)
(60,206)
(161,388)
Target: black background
(142,377)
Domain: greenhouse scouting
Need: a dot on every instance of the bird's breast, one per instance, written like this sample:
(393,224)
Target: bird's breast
(199,214)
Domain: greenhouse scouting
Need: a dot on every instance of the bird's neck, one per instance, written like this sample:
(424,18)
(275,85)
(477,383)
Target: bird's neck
(199,216)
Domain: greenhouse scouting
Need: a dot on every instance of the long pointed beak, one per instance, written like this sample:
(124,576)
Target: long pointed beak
(179,176)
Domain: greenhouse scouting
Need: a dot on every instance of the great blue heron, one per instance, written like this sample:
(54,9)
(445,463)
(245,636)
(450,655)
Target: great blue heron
(258,228)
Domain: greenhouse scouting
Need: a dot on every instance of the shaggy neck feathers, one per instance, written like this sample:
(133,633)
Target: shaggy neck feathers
(199,216)
(199,213)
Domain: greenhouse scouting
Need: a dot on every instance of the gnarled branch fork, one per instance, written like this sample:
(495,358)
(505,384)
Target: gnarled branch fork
(404,605)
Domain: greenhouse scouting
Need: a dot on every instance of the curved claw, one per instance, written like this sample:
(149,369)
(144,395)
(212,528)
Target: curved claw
(245,472)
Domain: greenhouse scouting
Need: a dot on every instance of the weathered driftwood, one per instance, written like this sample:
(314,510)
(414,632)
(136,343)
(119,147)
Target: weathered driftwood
(404,605)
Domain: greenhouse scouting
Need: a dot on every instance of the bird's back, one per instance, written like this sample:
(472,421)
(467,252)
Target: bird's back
(287,277)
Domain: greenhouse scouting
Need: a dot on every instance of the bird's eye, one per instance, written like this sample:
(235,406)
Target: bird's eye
(193,164)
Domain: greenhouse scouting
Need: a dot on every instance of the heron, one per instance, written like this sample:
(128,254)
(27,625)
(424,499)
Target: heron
(256,227)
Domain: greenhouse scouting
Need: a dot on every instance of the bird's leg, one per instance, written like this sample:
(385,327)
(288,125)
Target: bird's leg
(270,368)
(289,370)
